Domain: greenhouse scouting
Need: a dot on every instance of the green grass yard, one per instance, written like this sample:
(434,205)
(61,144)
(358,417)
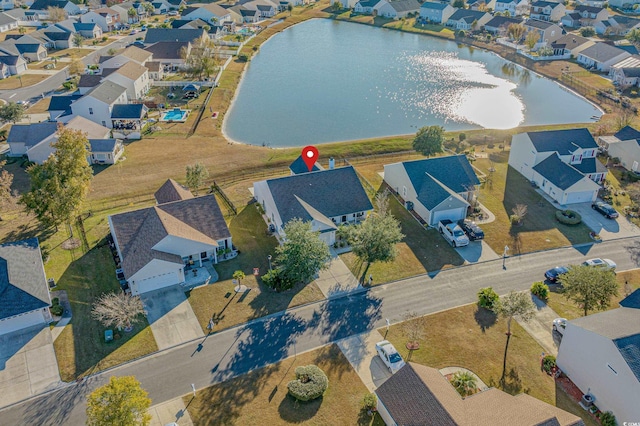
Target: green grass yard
(260,397)
(218,300)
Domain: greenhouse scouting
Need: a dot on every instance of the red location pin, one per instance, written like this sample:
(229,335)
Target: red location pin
(310,156)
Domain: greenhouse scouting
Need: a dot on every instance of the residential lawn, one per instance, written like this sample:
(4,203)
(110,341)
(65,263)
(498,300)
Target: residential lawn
(58,65)
(261,397)
(39,107)
(567,309)
(421,251)
(73,52)
(540,230)
(474,339)
(81,349)
(25,80)
(220,301)
(567,403)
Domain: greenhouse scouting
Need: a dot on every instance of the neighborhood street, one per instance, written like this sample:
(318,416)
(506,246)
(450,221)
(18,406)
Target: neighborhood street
(55,81)
(222,356)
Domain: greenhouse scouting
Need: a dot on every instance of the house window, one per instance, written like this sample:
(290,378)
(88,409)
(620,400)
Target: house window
(90,111)
(104,124)
(109,156)
(344,218)
(203,255)
(544,181)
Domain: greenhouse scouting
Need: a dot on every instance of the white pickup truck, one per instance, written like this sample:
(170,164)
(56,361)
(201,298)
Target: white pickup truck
(452,232)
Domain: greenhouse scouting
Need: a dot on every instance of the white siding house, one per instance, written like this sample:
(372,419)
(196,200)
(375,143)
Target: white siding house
(600,353)
(97,104)
(625,146)
(435,188)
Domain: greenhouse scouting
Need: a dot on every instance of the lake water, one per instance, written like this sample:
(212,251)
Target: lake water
(324,81)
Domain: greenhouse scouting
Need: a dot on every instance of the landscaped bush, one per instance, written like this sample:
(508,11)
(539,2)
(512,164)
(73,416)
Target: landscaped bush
(608,419)
(487,298)
(568,217)
(548,363)
(370,402)
(57,310)
(243,57)
(55,301)
(540,289)
(310,383)
(276,280)
(465,383)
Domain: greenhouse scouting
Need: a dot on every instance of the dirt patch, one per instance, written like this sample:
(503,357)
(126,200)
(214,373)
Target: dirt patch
(70,244)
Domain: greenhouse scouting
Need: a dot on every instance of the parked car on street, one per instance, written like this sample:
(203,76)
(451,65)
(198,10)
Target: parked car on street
(605,209)
(390,356)
(597,262)
(472,230)
(554,273)
(173,13)
(559,324)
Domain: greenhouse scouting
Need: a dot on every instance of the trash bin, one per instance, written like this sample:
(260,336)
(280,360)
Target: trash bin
(51,282)
(108,335)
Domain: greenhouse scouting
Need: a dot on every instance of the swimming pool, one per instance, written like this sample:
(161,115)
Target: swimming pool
(175,114)
(244,31)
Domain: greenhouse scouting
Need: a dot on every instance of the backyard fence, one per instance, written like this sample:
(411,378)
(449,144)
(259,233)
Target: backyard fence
(215,189)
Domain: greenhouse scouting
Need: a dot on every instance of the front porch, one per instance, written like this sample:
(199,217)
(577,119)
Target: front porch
(197,276)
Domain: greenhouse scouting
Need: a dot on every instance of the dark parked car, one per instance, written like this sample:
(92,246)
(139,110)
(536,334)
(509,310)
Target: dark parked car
(553,274)
(605,209)
(472,230)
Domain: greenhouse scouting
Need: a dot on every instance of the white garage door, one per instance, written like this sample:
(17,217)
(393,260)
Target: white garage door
(156,282)
(454,215)
(579,197)
(21,321)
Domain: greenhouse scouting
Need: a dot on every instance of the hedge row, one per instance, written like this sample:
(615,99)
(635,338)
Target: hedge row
(568,217)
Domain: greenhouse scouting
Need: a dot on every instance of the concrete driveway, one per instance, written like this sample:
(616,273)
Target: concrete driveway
(360,350)
(607,228)
(170,316)
(28,364)
(541,326)
(477,251)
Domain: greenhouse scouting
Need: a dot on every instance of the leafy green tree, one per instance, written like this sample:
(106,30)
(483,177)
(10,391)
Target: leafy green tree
(303,253)
(12,112)
(509,306)
(60,185)
(464,382)
(460,4)
(589,31)
(590,288)
(77,40)
(148,8)
(290,8)
(196,175)
(336,6)
(132,13)
(122,401)
(429,140)
(634,36)
(488,298)
(531,39)
(375,239)
(119,310)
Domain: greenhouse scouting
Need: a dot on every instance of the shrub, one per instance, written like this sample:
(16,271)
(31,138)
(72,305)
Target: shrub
(464,382)
(243,57)
(548,363)
(310,383)
(57,310)
(568,217)
(540,289)
(370,401)
(55,301)
(68,85)
(105,38)
(608,419)
(276,280)
(487,298)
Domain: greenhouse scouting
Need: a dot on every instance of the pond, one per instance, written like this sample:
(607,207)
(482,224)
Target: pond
(324,81)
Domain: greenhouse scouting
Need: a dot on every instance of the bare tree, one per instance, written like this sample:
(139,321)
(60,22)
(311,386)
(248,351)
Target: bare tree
(56,14)
(382,203)
(519,212)
(512,305)
(624,118)
(6,179)
(118,310)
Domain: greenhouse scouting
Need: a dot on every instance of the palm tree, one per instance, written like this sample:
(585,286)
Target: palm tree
(77,40)
(239,275)
(464,382)
(132,13)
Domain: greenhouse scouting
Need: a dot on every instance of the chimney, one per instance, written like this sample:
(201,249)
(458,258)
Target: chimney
(332,163)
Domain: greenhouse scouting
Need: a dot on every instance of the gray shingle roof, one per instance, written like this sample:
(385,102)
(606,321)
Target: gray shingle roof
(544,4)
(453,171)
(498,21)
(44,4)
(167,49)
(89,80)
(31,134)
(434,5)
(62,102)
(405,5)
(198,219)
(562,141)
(537,23)
(333,193)
(613,324)
(6,19)
(627,133)
(102,145)
(23,287)
(411,402)
(590,165)
(632,300)
(558,172)
(587,8)
(602,52)
(467,14)
(629,348)
(128,111)
(298,166)
(107,92)
(171,191)
(155,35)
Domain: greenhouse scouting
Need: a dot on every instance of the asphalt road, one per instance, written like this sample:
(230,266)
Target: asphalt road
(221,356)
(46,87)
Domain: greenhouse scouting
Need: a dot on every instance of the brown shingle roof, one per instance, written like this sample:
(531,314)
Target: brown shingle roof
(172,191)
(420,395)
(137,232)
(131,70)
(136,54)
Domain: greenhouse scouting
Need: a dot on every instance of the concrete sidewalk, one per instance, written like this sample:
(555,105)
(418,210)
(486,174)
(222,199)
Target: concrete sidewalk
(360,350)
(172,411)
(337,279)
(540,327)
